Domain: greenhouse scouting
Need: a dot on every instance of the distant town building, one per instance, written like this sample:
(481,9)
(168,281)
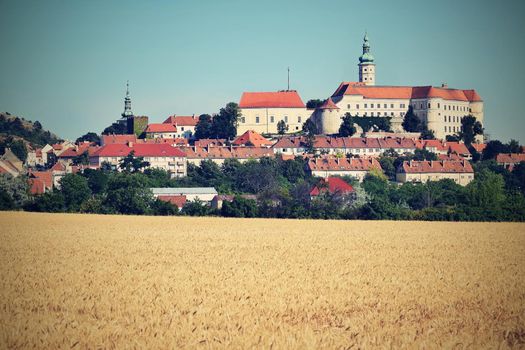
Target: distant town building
(460,172)
(185,125)
(333,166)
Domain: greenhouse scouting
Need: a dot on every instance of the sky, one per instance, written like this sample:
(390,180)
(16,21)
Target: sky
(66,62)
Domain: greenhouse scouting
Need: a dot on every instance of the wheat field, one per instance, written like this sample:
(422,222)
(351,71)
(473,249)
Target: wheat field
(88,281)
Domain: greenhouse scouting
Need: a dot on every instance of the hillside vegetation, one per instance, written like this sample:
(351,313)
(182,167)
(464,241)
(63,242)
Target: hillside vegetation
(85,281)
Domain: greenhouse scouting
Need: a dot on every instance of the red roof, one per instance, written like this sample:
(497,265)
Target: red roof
(161,128)
(110,139)
(210,142)
(141,150)
(280,99)
(180,120)
(178,201)
(328,104)
(510,158)
(457,147)
(437,166)
(333,185)
(331,163)
(46,177)
(405,92)
(252,138)
(479,147)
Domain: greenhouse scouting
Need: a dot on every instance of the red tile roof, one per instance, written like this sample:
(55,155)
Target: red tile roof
(227,152)
(161,128)
(36,186)
(479,147)
(332,185)
(437,166)
(457,147)
(210,142)
(510,158)
(280,99)
(120,139)
(328,104)
(178,201)
(405,92)
(177,141)
(180,120)
(252,138)
(141,150)
(331,163)
(46,177)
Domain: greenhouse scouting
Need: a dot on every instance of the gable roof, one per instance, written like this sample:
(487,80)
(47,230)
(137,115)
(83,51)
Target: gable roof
(332,185)
(141,150)
(405,92)
(161,128)
(252,138)
(510,158)
(436,166)
(110,139)
(180,120)
(178,200)
(331,163)
(279,99)
(328,104)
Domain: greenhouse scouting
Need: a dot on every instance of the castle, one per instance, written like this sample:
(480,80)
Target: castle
(440,108)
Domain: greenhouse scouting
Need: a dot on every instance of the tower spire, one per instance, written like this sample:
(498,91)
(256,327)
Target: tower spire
(288,78)
(127,103)
(366,64)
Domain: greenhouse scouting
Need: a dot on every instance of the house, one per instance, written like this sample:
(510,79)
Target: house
(118,139)
(509,160)
(262,111)
(460,172)
(161,131)
(333,185)
(252,139)
(204,194)
(333,166)
(162,156)
(218,155)
(210,143)
(40,182)
(185,125)
(10,164)
(178,200)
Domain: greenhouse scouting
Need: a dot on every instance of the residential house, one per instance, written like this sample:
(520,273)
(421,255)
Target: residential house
(460,172)
(327,166)
(510,160)
(185,125)
(204,194)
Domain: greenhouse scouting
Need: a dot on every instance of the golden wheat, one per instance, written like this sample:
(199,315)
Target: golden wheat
(87,281)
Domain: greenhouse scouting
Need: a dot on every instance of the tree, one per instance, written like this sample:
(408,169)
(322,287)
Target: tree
(239,208)
(314,103)
(116,128)
(128,194)
(470,128)
(224,125)
(309,127)
(132,164)
(426,134)
(81,159)
(423,154)
(16,188)
(411,121)
(89,137)
(196,208)
(282,128)
(75,190)
(387,164)
(203,129)
(347,127)
(37,125)
(159,207)
(50,202)
(97,180)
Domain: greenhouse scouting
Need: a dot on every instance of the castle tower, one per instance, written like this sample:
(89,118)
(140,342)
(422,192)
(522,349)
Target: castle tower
(367,67)
(127,104)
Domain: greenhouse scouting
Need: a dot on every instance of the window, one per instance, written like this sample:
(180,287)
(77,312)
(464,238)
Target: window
(391,105)
(371,105)
(365,78)
(386,114)
(372,114)
(348,106)
(402,105)
(357,114)
(257,120)
(438,104)
(365,114)
(286,119)
(445,118)
(445,129)
(357,106)
(272,119)
(366,106)
(365,69)
(429,105)
(299,119)
(392,114)
(385,106)
(243,120)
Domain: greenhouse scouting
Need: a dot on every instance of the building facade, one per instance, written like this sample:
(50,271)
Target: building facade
(460,171)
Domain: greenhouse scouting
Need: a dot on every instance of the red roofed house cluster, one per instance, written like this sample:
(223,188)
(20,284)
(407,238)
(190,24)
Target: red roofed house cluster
(333,166)
(460,172)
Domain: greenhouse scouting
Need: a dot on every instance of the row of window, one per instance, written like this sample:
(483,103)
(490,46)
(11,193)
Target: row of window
(272,119)
(452,119)
(445,107)
(375,105)
(452,129)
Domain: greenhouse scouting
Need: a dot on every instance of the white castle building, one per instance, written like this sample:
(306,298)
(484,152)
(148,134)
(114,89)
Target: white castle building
(441,108)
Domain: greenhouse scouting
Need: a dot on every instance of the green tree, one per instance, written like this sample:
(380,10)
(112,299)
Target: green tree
(159,207)
(203,129)
(75,190)
(224,124)
(128,194)
(17,189)
(309,127)
(426,134)
(411,122)
(19,149)
(314,103)
(97,180)
(282,128)
(6,202)
(387,164)
(240,208)
(81,159)
(132,164)
(49,202)
(347,127)
(470,128)
(90,137)
(196,208)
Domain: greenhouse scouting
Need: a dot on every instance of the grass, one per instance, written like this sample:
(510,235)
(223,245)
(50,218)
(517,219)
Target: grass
(86,281)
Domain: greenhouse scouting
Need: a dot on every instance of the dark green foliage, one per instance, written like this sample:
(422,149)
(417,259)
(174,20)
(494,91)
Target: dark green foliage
(90,137)
(50,202)
(196,208)
(203,129)
(374,123)
(224,124)
(314,103)
(116,129)
(132,164)
(427,134)
(128,194)
(6,202)
(309,127)
(282,128)
(470,128)
(387,164)
(19,149)
(453,138)
(239,208)
(159,207)
(495,147)
(347,127)
(81,159)
(411,121)
(17,189)
(75,190)
(97,180)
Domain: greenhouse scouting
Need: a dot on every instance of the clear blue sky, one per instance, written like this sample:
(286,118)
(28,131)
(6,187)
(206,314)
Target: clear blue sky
(66,63)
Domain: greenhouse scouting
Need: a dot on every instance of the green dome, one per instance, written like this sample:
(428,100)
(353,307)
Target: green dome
(366,58)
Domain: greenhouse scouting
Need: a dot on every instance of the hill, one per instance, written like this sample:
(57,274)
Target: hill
(17,133)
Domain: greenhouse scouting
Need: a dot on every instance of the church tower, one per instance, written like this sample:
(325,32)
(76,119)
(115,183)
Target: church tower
(127,104)
(367,67)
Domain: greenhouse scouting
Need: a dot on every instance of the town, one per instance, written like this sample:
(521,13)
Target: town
(326,149)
